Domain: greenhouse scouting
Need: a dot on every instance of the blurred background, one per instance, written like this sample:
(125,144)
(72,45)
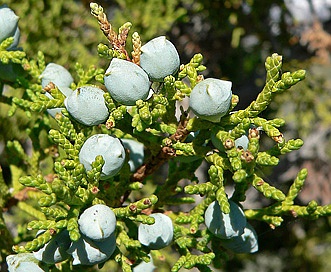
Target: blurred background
(235,37)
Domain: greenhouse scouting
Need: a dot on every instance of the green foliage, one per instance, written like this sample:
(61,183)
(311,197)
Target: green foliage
(65,32)
(310,102)
(58,188)
(150,18)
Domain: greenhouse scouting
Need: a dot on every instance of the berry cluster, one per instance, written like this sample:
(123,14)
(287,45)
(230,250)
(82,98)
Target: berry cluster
(234,230)
(96,244)
(115,127)
(127,83)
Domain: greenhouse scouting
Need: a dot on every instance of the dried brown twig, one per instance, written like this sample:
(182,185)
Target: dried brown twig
(117,41)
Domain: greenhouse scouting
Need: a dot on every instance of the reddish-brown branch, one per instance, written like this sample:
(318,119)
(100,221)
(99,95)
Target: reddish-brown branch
(164,154)
(153,163)
(117,41)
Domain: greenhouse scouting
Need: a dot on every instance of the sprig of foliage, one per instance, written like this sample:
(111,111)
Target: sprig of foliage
(66,189)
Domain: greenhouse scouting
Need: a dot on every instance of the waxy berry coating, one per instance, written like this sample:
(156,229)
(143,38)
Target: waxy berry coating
(8,23)
(55,250)
(109,147)
(211,98)
(57,74)
(23,262)
(158,235)
(126,82)
(17,36)
(245,243)
(159,58)
(97,222)
(87,105)
(223,225)
(88,252)
(136,153)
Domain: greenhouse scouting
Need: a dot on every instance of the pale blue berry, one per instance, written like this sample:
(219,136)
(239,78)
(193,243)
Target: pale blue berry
(8,22)
(245,243)
(241,142)
(223,225)
(159,58)
(97,222)
(211,98)
(55,250)
(87,105)
(157,235)
(66,92)
(109,147)
(17,36)
(24,262)
(126,82)
(88,252)
(57,74)
(136,153)
(145,267)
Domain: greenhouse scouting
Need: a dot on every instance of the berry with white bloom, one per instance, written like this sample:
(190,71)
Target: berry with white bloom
(87,105)
(159,58)
(225,226)
(8,24)
(211,98)
(17,37)
(88,252)
(242,142)
(136,153)
(109,147)
(23,262)
(245,243)
(126,82)
(97,222)
(157,235)
(57,74)
(55,250)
